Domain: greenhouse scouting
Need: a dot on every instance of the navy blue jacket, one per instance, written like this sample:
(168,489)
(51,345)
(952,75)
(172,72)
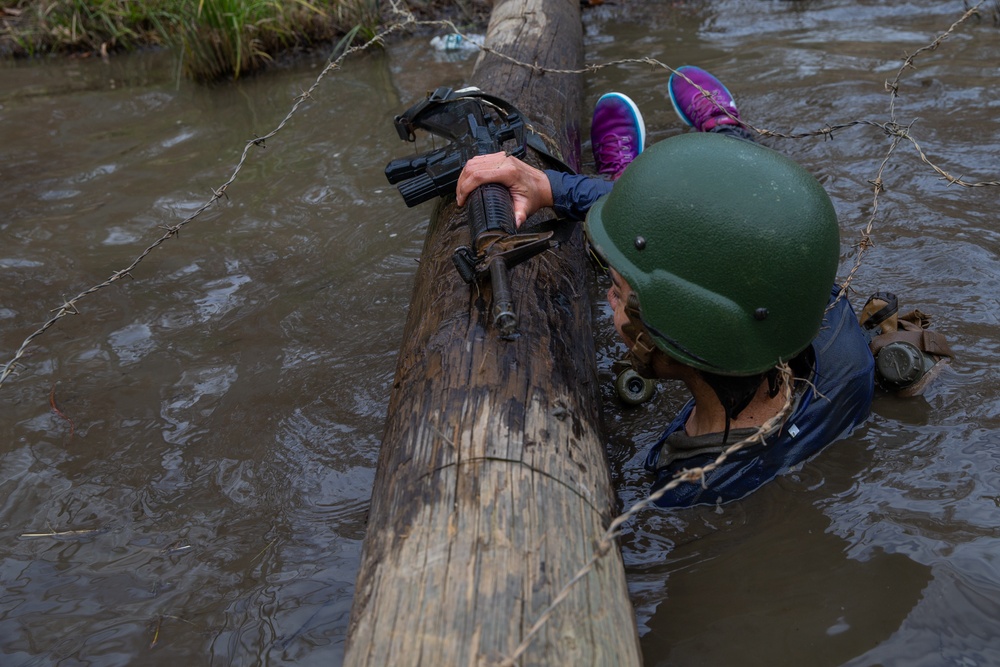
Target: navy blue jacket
(844,381)
(574,194)
(843,376)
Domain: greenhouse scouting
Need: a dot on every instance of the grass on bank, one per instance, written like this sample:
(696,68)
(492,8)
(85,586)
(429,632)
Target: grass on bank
(217,39)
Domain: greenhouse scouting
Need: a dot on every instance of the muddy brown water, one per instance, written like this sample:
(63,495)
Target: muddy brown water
(206,503)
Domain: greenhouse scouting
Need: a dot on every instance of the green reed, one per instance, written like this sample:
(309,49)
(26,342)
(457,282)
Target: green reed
(217,39)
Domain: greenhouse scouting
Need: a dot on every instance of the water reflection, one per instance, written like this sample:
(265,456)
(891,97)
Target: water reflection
(227,404)
(853,558)
(785,592)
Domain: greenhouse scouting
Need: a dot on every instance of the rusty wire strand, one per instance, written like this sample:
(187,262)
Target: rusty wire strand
(697,475)
(892,128)
(69,306)
(408,21)
(899,133)
(865,242)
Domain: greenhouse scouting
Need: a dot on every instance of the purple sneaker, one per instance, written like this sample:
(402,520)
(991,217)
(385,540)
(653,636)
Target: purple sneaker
(702,109)
(617,134)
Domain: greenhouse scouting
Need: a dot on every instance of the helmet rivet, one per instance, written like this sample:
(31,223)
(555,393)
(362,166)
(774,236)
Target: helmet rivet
(760,314)
(640,242)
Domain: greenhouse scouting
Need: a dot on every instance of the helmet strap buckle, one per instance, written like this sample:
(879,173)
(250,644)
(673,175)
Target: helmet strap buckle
(643,350)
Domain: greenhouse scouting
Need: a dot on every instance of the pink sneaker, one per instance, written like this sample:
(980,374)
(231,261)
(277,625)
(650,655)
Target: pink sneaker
(702,109)
(617,134)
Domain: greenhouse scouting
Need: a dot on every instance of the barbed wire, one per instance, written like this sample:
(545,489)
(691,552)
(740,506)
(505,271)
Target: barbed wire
(407,20)
(899,133)
(892,128)
(697,475)
(69,306)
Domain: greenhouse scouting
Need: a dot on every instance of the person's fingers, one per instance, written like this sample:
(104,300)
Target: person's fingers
(482,169)
(529,187)
(520,212)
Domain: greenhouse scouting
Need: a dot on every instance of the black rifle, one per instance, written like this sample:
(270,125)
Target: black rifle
(476,124)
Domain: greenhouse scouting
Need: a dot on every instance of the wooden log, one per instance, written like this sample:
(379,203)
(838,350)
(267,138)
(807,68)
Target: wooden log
(492,487)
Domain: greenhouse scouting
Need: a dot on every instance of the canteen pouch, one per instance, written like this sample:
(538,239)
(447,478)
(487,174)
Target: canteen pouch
(908,355)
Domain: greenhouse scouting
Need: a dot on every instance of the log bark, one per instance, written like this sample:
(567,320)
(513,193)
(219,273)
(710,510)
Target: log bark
(492,486)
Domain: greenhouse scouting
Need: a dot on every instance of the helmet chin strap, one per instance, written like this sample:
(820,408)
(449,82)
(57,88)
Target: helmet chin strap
(733,393)
(643,349)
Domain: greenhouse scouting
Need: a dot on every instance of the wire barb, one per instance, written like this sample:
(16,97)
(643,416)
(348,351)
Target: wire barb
(896,132)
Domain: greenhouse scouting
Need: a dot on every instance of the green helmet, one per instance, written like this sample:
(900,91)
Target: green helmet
(731,248)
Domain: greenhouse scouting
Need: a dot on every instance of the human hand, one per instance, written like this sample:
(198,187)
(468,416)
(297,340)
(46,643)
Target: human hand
(529,187)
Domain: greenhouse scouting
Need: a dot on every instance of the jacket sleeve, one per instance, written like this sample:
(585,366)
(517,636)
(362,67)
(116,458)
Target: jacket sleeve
(574,194)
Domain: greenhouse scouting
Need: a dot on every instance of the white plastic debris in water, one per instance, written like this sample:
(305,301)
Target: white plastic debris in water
(456,42)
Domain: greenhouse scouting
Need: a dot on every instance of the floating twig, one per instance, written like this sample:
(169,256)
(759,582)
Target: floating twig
(63,533)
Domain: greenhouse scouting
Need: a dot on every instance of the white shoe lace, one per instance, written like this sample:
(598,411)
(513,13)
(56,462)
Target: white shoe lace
(705,107)
(614,154)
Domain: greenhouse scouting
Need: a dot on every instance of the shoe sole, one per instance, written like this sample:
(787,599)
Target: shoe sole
(673,99)
(636,115)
